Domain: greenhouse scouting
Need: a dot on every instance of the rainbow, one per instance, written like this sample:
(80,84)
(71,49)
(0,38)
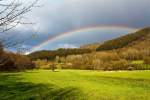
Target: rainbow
(82,29)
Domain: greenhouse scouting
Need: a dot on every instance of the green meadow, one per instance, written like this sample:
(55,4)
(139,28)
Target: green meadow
(75,85)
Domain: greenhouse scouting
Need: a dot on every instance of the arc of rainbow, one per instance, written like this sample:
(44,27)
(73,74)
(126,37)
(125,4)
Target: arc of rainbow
(80,30)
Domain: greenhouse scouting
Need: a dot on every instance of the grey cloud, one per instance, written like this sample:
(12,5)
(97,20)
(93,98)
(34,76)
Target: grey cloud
(58,16)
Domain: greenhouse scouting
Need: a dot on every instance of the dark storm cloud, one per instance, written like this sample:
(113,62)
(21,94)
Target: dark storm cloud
(57,16)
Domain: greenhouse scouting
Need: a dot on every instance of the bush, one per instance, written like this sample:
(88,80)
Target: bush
(42,64)
(121,65)
(12,62)
(147,60)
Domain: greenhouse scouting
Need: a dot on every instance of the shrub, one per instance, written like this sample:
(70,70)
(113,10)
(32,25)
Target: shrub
(121,65)
(42,64)
(10,61)
(147,60)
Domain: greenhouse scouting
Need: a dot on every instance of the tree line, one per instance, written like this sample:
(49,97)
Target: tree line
(51,54)
(108,60)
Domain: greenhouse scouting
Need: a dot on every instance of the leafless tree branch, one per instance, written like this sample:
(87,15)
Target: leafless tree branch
(12,13)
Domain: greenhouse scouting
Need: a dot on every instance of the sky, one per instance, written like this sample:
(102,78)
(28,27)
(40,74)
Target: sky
(71,23)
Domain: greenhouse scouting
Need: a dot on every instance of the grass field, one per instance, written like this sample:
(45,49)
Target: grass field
(75,85)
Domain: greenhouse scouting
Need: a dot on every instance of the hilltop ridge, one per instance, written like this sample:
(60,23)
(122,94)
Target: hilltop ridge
(142,35)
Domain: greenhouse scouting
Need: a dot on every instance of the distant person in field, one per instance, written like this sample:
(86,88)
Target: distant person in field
(53,67)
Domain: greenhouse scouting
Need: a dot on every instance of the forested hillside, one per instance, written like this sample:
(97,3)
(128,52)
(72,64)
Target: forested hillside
(125,40)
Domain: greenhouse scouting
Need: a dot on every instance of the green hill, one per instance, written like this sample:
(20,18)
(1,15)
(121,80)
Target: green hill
(137,39)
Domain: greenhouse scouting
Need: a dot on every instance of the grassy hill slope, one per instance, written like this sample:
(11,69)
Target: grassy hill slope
(137,39)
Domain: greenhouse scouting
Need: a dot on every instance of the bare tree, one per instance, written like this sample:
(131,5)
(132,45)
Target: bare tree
(12,13)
